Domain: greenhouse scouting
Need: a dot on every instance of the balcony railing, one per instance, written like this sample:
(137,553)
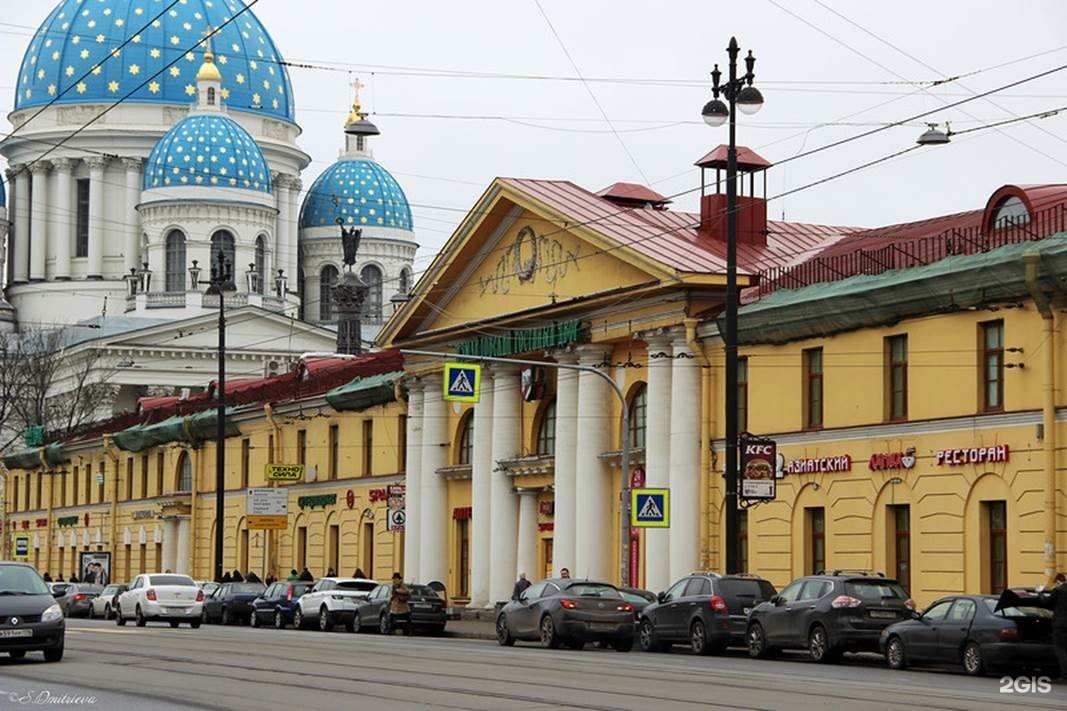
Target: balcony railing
(181,299)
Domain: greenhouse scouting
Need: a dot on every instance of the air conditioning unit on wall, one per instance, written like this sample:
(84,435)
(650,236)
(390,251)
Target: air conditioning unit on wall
(311,473)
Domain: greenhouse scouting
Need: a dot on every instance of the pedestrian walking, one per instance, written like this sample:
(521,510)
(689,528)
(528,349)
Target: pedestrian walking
(520,586)
(306,575)
(73,578)
(252,577)
(271,578)
(226,577)
(293,575)
(1056,600)
(399,609)
(237,577)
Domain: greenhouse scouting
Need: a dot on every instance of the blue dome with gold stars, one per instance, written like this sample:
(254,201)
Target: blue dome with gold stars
(207,150)
(360,192)
(101,51)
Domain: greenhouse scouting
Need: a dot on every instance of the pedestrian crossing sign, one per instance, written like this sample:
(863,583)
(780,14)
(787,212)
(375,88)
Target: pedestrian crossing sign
(650,508)
(462,381)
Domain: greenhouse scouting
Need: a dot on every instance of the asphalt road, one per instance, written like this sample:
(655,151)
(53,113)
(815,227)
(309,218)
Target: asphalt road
(241,668)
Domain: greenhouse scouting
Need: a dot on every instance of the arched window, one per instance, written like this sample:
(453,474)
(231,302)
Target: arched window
(223,240)
(405,281)
(372,277)
(465,441)
(175,261)
(185,472)
(327,283)
(210,96)
(546,429)
(638,416)
(261,264)
(1011,211)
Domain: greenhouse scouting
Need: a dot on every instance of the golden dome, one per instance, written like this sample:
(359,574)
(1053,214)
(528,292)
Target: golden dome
(208,70)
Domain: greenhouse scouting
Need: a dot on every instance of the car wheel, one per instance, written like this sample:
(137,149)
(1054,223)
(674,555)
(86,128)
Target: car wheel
(54,654)
(757,642)
(298,619)
(17,653)
(549,638)
(384,625)
(107,612)
(174,623)
(623,644)
(819,645)
(89,616)
(253,619)
(140,617)
(279,620)
(195,624)
(895,656)
(119,619)
(698,638)
(226,619)
(350,626)
(646,634)
(972,659)
(503,632)
(325,624)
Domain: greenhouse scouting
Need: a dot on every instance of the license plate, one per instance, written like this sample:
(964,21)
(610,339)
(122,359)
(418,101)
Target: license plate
(883,614)
(422,607)
(602,625)
(16,633)
(182,610)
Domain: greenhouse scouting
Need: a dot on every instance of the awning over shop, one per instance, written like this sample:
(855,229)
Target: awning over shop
(362,393)
(54,455)
(193,429)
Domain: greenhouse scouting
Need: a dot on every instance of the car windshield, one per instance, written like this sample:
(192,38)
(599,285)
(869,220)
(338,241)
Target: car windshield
(21,580)
(300,588)
(637,596)
(422,590)
(875,590)
(592,590)
(1039,612)
(245,588)
(362,586)
(181,580)
(747,587)
(111,590)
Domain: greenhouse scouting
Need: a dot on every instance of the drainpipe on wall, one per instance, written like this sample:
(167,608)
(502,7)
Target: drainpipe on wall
(271,540)
(705,439)
(198,466)
(1048,408)
(112,452)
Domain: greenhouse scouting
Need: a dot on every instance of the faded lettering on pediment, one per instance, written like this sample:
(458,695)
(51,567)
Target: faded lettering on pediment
(78,114)
(173,114)
(527,257)
(275,129)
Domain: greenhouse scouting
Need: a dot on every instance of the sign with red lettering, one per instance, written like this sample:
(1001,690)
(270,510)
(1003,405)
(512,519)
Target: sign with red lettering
(973,455)
(758,456)
(376,495)
(892,460)
(637,478)
(350,499)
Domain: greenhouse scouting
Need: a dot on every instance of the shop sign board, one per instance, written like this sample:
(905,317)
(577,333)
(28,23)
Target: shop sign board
(284,472)
(973,455)
(819,465)
(886,461)
(758,457)
(22,547)
(396,501)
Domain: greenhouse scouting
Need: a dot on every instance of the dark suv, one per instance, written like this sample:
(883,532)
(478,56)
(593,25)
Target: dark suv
(828,613)
(706,610)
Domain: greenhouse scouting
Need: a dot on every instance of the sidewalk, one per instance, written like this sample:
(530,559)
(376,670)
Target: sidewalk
(470,629)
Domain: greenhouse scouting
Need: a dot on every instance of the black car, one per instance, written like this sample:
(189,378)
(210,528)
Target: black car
(77,599)
(231,603)
(707,611)
(275,605)
(828,614)
(570,612)
(30,618)
(972,630)
(427,610)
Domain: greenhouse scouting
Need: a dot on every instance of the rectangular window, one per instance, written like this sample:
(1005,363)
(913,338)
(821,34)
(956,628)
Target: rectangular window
(144,476)
(88,483)
(816,539)
(301,446)
(367,554)
(129,478)
(100,478)
(896,371)
(742,397)
(742,541)
(813,413)
(301,547)
(63,489)
(996,514)
(992,364)
(270,449)
(81,244)
(74,486)
(463,556)
(334,450)
(15,492)
(368,447)
(246,454)
(40,490)
(402,444)
(159,473)
(899,519)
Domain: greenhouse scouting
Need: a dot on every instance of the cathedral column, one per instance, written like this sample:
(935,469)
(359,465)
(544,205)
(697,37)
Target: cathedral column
(39,219)
(433,548)
(481,487)
(658,455)
(503,514)
(64,218)
(413,481)
(95,265)
(20,255)
(131,247)
(185,561)
(526,552)
(281,231)
(565,481)
(593,502)
(685,459)
(291,245)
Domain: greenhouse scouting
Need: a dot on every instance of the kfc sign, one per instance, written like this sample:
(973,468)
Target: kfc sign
(892,460)
(757,468)
(973,455)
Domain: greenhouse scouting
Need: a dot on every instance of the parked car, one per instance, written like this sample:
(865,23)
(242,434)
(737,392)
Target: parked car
(568,611)
(427,610)
(332,601)
(30,617)
(231,602)
(828,614)
(57,589)
(208,586)
(707,611)
(975,632)
(104,603)
(161,596)
(77,599)
(277,603)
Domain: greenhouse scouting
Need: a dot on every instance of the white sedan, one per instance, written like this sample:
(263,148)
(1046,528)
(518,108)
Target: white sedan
(161,596)
(100,606)
(332,601)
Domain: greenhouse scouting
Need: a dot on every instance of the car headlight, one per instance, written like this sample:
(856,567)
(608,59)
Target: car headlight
(52,614)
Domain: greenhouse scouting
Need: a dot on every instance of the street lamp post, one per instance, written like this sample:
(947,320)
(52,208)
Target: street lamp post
(740,94)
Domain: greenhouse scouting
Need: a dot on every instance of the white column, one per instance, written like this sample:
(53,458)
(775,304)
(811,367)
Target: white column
(433,538)
(185,541)
(281,231)
(481,487)
(565,481)
(65,218)
(295,184)
(526,552)
(592,501)
(658,456)
(20,255)
(170,546)
(132,221)
(310,297)
(95,265)
(413,482)
(503,513)
(39,219)
(685,460)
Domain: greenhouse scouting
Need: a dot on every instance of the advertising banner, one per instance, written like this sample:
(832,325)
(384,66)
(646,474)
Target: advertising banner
(94,567)
(758,456)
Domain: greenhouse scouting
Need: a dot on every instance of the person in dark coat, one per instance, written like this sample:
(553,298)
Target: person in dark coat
(359,573)
(1056,600)
(306,575)
(73,578)
(60,579)
(252,577)
(331,573)
(226,578)
(237,577)
(46,577)
(520,585)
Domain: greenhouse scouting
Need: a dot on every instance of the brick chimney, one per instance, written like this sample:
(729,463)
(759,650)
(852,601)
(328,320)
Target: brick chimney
(751,210)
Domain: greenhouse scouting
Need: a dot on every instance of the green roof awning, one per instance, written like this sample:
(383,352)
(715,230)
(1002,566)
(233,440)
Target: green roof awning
(55,454)
(362,393)
(193,429)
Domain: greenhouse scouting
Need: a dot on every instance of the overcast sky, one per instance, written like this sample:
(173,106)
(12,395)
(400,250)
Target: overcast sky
(467,90)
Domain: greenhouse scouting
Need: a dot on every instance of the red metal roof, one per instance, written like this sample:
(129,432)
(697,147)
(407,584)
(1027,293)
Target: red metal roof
(634,192)
(747,159)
